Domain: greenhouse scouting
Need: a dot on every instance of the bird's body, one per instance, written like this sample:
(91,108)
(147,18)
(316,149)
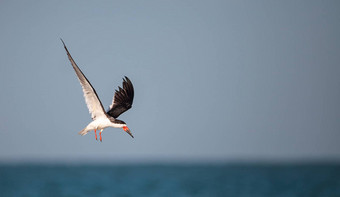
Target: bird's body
(99,124)
(122,101)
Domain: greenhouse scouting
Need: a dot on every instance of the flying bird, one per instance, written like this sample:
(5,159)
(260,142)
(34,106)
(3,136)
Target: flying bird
(122,101)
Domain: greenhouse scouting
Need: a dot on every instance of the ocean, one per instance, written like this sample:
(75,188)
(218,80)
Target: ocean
(176,180)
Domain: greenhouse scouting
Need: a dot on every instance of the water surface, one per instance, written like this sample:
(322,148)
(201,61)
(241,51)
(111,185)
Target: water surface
(170,180)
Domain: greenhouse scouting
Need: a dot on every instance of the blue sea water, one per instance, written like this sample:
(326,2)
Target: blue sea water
(170,180)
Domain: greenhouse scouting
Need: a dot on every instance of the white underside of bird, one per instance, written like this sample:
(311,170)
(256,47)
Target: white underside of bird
(99,124)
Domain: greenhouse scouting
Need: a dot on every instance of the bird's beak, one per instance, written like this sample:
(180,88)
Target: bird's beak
(127,130)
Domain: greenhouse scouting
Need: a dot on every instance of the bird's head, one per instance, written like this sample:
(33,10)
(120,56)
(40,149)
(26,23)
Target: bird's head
(121,124)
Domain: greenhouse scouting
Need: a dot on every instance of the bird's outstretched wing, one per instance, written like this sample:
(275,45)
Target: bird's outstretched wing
(122,100)
(91,98)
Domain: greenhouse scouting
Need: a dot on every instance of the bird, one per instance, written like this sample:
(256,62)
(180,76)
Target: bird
(121,102)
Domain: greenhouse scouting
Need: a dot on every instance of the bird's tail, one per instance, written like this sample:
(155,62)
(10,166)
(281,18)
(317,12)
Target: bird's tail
(83,132)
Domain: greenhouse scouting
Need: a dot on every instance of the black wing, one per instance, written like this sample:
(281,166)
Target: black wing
(122,100)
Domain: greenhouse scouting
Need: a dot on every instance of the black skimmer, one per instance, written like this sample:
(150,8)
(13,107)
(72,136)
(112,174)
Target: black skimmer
(122,101)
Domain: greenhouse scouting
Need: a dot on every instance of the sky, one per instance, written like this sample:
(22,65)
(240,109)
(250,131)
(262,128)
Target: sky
(214,80)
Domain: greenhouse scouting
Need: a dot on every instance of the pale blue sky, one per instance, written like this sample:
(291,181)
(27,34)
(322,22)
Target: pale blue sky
(214,80)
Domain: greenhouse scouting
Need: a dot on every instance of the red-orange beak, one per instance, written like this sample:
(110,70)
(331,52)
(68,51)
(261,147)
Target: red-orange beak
(127,130)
